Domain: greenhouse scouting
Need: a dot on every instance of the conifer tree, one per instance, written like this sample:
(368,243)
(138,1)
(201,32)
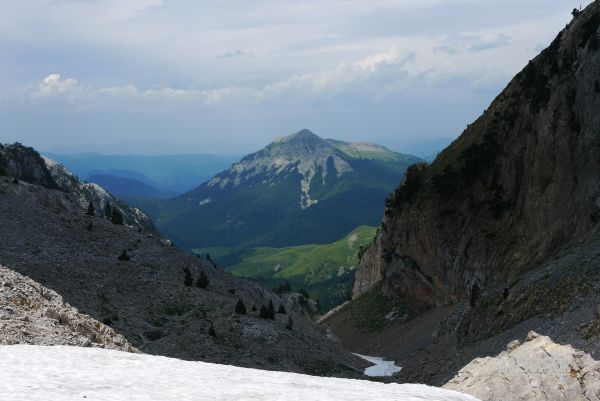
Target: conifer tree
(117,217)
(188,280)
(124,256)
(271,310)
(240,308)
(203,280)
(107,210)
(91,211)
(290,324)
(281,309)
(263,314)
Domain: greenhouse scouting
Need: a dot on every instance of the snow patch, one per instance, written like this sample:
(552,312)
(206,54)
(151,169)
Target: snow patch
(36,373)
(380,368)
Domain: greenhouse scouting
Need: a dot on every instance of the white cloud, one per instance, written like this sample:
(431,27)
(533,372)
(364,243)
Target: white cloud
(54,86)
(327,82)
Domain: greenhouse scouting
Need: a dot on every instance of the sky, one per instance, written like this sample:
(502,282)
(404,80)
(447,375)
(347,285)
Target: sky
(228,76)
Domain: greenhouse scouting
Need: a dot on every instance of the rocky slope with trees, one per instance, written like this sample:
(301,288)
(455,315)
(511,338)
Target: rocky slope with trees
(164,301)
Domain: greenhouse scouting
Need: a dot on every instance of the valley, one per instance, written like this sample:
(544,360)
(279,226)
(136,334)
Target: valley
(312,268)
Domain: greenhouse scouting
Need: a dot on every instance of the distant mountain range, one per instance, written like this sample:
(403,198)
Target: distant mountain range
(171,173)
(129,187)
(300,189)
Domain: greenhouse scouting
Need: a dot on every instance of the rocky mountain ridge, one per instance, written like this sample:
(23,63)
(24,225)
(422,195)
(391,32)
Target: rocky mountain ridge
(499,235)
(24,163)
(520,183)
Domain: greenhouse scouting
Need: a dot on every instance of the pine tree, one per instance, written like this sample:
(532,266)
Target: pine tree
(281,309)
(271,310)
(188,280)
(290,324)
(117,217)
(91,211)
(124,256)
(240,308)
(107,211)
(203,280)
(211,331)
(263,314)
(253,308)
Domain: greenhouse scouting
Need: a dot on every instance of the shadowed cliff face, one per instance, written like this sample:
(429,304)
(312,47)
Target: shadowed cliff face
(520,183)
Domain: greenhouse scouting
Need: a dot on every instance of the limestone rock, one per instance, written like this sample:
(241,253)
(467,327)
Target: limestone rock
(537,370)
(33,314)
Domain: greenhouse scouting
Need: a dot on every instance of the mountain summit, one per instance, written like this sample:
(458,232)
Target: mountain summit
(299,189)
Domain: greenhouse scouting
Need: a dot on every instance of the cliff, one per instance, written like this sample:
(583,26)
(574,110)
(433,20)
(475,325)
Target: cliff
(521,183)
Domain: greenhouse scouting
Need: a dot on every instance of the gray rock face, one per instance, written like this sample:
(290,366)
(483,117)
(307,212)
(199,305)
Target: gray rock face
(521,182)
(538,370)
(33,314)
(26,164)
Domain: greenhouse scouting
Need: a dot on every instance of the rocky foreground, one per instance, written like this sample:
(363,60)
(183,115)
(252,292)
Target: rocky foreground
(33,314)
(537,370)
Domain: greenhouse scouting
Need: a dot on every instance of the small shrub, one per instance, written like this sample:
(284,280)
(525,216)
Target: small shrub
(89,226)
(15,180)
(281,309)
(240,308)
(203,280)
(290,324)
(211,331)
(231,291)
(253,308)
(303,292)
(187,280)
(124,256)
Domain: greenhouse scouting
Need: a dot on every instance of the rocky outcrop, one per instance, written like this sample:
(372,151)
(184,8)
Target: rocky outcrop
(26,164)
(520,183)
(537,370)
(33,314)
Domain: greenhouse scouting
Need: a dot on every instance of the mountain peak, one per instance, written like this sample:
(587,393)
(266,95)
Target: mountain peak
(302,136)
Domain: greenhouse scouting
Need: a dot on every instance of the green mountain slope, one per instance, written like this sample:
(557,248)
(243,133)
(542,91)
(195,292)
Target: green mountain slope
(300,189)
(326,271)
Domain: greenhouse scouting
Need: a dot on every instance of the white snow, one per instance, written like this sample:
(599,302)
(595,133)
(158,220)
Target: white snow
(380,368)
(35,373)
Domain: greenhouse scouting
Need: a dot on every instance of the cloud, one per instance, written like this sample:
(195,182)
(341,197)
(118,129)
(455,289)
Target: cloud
(236,53)
(373,71)
(474,43)
(489,41)
(54,86)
